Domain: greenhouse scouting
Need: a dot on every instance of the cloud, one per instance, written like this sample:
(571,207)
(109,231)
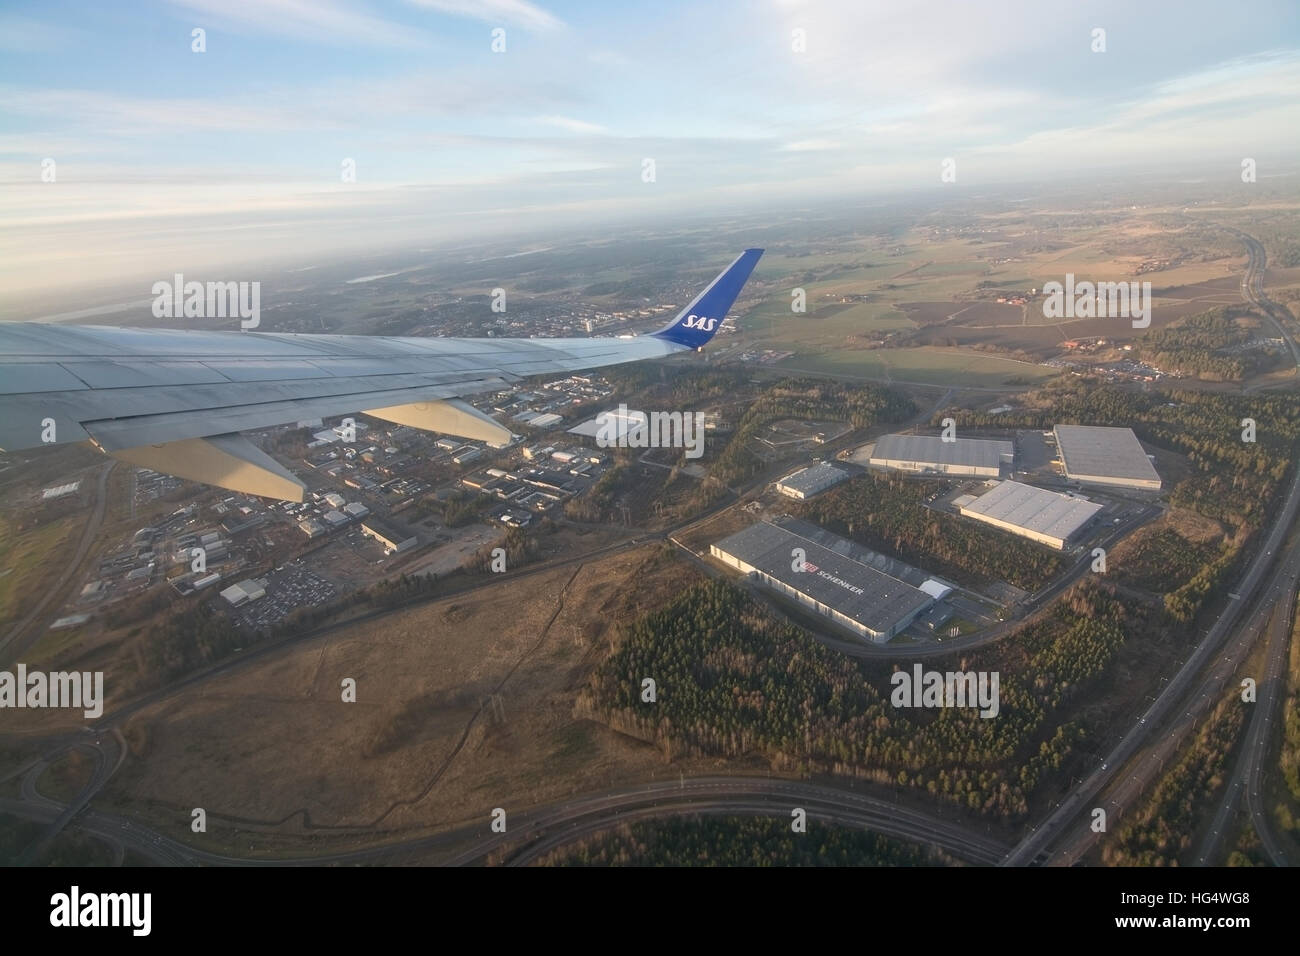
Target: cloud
(810,145)
(323,21)
(572,125)
(519,13)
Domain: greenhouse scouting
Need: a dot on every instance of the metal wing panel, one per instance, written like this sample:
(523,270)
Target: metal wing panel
(127,387)
(37,377)
(153,429)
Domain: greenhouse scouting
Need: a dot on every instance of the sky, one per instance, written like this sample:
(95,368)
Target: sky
(164,158)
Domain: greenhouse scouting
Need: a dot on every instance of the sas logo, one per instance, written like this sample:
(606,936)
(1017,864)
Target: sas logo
(700,322)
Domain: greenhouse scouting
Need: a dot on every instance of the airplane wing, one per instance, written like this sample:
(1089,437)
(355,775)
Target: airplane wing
(175,400)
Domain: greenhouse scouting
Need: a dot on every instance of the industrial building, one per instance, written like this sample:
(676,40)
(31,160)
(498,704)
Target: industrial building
(1035,513)
(812,480)
(866,601)
(393,541)
(930,454)
(312,528)
(244,592)
(1105,456)
(335,519)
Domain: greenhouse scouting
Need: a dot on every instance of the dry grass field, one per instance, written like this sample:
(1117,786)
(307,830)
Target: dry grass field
(462,705)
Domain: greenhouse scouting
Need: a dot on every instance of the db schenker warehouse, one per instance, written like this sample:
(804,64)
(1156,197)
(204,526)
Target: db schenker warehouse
(856,596)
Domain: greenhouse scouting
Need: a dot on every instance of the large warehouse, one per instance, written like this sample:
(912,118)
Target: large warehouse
(966,457)
(1105,456)
(1044,516)
(868,602)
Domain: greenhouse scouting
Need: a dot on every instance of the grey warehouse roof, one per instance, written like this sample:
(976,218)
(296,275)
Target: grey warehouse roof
(1108,452)
(814,477)
(973,452)
(870,597)
(1034,509)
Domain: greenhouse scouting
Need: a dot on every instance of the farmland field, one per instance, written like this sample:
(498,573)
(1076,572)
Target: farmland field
(938,366)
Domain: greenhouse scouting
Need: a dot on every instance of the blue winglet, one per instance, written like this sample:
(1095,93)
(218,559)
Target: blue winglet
(699,321)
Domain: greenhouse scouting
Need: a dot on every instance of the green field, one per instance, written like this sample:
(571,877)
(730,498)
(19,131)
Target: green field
(929,365)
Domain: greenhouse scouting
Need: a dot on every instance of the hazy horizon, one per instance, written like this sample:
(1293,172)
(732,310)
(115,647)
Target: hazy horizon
(167,159)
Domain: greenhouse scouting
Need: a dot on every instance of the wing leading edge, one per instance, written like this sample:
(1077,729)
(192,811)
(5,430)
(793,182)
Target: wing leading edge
(175,400)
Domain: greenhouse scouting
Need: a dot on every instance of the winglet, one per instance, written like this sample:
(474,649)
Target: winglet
(699,321)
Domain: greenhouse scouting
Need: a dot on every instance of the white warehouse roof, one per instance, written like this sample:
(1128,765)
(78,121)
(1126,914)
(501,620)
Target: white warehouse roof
(1035,510)
(936,589)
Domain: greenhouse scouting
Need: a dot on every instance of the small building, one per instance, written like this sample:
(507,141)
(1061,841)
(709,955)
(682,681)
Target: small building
(312,528)
(810,481)
(208,579)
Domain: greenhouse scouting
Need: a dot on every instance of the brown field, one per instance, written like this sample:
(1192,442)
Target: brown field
(274,748)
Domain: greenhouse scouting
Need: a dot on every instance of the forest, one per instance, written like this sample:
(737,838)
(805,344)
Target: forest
(1163,828)
(860,405)
(1206,346)
(886,513)
(739,841)
(735,681)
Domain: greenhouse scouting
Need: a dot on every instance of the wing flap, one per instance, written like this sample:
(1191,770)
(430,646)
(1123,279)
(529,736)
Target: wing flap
(227,461)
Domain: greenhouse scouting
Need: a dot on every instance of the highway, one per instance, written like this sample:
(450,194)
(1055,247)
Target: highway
(1170,700)
(1247,775)
(1252,289)
(1145,770)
